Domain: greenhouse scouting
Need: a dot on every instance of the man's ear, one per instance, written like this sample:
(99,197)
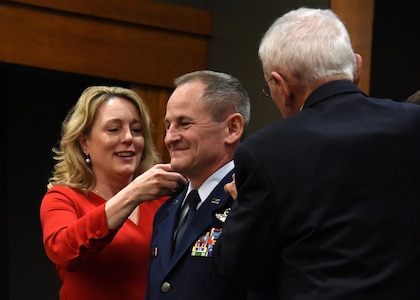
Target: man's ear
(358,70)
(285,89)
(235,125)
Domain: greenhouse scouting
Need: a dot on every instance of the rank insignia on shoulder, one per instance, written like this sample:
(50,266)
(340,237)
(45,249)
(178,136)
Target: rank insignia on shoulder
(204,245)
(222,216)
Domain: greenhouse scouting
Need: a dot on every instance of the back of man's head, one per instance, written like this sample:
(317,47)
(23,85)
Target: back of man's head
(311,44)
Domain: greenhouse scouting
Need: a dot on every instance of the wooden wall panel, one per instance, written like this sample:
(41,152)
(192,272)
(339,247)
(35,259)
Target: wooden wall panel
(97,47)
(141,12)
(358,15)
(156,101)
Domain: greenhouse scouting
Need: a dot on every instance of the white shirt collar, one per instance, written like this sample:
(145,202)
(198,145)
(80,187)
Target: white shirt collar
(208,186)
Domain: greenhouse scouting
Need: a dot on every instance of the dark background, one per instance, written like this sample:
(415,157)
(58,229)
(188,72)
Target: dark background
(395,65)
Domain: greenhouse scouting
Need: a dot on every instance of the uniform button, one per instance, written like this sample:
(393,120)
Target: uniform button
(165,287)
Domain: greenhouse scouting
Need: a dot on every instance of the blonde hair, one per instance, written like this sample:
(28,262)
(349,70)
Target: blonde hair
(414,98)
(71,168)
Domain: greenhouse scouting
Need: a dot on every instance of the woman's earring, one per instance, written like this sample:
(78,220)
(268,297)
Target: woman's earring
(87,159)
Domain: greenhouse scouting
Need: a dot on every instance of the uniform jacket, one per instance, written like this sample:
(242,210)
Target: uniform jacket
(181,274)
(329,201)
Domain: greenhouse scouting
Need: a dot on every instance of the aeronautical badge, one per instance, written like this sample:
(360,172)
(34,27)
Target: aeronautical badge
(222,217)
(204,245)
(215,201)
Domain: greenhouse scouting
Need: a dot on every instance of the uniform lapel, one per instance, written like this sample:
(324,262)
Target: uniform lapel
(166,236)
(203,218)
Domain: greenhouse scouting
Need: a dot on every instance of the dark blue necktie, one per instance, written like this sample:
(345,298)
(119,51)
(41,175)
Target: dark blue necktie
(192,200)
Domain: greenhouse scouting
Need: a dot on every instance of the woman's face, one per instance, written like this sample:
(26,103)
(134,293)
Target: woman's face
(116,142)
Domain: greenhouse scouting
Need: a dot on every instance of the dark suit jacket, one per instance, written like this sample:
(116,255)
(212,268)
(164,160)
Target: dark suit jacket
(180,275)
(329,201)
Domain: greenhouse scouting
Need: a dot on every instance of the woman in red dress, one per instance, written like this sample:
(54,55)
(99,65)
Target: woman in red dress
(97,213)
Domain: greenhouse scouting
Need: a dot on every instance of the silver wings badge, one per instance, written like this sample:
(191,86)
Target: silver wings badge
(222,216)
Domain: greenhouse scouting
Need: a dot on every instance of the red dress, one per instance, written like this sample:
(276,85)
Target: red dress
(92,261)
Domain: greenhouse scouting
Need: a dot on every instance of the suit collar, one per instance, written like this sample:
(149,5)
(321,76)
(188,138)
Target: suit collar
(329,90)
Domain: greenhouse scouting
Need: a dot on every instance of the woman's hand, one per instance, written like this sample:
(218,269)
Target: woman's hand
(160,180)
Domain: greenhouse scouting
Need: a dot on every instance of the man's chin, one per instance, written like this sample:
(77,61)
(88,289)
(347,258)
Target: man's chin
(177,164)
